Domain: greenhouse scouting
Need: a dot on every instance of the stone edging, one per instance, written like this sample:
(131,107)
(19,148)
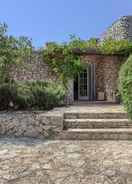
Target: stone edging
(36,124)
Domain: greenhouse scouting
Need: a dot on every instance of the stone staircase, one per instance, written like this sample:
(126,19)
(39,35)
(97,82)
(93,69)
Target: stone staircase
(96,126)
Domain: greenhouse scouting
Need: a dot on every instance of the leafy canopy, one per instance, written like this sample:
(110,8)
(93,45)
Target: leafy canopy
(13,51)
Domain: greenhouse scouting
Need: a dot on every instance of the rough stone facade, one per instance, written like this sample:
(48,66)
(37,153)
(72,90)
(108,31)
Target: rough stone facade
(111,73)
(70,94)
(107,70)
(30,124)
(120,29)
(36,69)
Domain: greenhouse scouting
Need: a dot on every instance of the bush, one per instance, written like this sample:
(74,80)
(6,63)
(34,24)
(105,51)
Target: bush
(46,95)
(37,95)
(23,97)
(7,96)
(125,85)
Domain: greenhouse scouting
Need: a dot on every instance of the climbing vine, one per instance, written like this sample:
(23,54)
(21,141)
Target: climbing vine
(111,46)
(66,63)
(62,58)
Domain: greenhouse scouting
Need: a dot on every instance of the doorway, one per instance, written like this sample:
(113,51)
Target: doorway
(85,84)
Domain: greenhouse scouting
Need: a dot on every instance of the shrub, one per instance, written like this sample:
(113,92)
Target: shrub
(46,95)
(125,85)
(37,95)
(23,97)
(7,96)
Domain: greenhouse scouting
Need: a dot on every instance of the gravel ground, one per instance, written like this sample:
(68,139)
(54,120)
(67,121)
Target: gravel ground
(32,161)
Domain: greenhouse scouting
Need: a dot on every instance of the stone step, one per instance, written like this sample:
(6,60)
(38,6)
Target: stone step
(97,123)
(97,134)
(87,115)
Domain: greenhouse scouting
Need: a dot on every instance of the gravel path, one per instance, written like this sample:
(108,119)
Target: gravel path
(30,161)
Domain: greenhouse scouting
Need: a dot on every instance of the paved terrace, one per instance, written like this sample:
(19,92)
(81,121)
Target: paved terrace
(31,161)
(90,108)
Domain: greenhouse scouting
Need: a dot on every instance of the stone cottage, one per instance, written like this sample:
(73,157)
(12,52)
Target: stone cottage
(99,80)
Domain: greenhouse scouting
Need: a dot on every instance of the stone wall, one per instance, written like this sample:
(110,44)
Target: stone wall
(98,60)
(111,73)
(107,70)
(120,29)
(37,69)
(34,69)
(30,124)
(70,93)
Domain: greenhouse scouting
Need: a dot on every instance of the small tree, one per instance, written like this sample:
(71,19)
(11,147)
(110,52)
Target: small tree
(125,85)
(13,51)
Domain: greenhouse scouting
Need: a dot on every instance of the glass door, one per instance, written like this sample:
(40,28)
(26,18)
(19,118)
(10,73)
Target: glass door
(83,81)
(87,83)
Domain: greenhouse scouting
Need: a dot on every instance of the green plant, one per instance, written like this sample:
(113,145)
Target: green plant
(13,51)
(125,85)
(8,94)
(46,95)
(37,95)
(66,63)
(24,96)
(111,46)
(62,59)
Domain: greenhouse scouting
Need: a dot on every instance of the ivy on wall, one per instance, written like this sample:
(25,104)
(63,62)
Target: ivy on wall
(64,61)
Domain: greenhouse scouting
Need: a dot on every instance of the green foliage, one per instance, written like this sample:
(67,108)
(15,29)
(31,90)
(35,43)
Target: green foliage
(66,63)
(76,42)
(23,97)
(63,61)
(13,51)
(46,95)
(125,85)
(111,46)
(7,96)
(37,95)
